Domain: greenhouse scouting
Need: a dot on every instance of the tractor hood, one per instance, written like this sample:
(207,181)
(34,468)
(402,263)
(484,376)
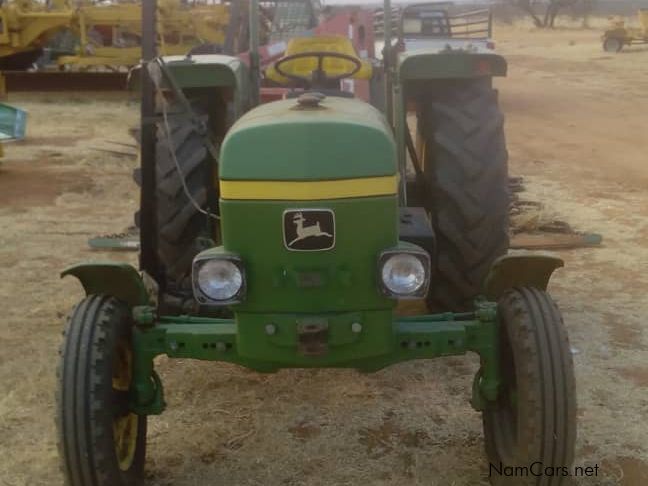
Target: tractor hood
(339,138)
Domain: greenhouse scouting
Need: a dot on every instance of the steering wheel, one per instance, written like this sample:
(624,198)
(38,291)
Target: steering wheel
(318,75)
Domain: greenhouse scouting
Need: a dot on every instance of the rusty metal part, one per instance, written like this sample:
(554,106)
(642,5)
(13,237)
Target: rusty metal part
(414,156)
(64,81)
(312,336)
(555,241)
(310,100)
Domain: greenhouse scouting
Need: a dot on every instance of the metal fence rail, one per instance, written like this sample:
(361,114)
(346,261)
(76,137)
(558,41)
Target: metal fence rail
(475,24)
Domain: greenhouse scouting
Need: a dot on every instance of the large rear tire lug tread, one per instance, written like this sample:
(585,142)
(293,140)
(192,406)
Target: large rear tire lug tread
(171,206)
(468,167)
(179,222)
(474,134)
(172,186)
(448,217)
(471,243)
(468,187)
(470,206)
(468,280)
(173,228)
(184,149)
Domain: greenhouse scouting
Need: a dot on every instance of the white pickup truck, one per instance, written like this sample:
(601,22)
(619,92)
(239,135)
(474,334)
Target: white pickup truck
(430,26)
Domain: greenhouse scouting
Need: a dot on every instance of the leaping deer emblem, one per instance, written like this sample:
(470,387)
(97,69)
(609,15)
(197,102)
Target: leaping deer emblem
(304,232)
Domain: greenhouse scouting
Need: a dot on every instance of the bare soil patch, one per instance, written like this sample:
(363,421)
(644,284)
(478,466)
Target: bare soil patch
(629,471)
(50,140)
(638,376)
(38,182)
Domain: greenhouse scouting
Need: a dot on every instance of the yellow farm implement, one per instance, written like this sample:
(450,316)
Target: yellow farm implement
(108,35)
(619,35)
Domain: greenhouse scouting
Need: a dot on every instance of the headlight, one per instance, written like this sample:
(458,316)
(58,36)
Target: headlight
(218,280)
(404,274)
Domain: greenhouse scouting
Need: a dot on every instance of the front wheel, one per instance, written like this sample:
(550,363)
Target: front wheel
(101,442)
(532,424)
(612,44)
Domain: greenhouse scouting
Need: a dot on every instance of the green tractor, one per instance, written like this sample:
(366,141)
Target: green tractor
(285,235)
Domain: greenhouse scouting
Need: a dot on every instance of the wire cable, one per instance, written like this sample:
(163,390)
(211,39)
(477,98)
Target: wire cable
(172,152)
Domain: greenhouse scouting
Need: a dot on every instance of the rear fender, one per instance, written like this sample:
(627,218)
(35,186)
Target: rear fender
(206,73)
(520,270)
(119,280)
(424,65)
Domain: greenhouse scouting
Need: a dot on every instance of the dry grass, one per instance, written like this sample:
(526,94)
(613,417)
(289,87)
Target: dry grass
(576,123)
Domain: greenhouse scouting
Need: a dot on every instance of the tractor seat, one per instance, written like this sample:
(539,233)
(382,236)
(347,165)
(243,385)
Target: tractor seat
(303,67)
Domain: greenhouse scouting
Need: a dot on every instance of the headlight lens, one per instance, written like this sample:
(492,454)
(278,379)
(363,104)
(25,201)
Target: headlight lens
(219,279)
(404,274)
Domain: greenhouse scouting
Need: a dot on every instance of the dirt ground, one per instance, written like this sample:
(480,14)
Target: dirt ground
(576,127)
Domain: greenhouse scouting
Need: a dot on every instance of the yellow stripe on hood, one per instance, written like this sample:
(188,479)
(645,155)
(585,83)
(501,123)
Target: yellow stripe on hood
(309,190)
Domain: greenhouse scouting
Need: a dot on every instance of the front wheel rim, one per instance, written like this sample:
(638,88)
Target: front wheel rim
(125,424)
(125,436)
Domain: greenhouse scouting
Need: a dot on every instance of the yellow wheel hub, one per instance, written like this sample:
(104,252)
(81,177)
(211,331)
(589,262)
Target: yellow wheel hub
(124,426)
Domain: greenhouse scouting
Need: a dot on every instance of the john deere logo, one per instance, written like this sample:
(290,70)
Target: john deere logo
(309,229)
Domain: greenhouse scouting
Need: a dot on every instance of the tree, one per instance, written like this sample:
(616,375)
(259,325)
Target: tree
(551,10)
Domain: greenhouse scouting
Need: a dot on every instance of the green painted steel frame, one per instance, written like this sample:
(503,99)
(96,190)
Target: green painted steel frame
(212,71)
(523,268)
(120,280)
(449,64)
(213,339)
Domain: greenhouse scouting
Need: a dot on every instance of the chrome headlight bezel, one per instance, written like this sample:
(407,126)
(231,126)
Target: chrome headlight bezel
(420,255)
(200,295)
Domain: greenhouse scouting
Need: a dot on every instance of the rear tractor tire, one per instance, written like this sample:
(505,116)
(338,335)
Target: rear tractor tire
(466,181)
(533,422)
(101,442)
(180,224)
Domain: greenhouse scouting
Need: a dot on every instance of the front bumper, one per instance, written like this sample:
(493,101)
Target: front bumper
(366,341)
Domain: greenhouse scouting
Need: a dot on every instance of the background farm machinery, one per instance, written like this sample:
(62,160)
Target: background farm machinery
(620,35)
(87,35)
(104,40)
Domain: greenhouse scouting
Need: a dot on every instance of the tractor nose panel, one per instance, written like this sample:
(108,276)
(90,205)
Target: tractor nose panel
(340,138)
(311,256)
